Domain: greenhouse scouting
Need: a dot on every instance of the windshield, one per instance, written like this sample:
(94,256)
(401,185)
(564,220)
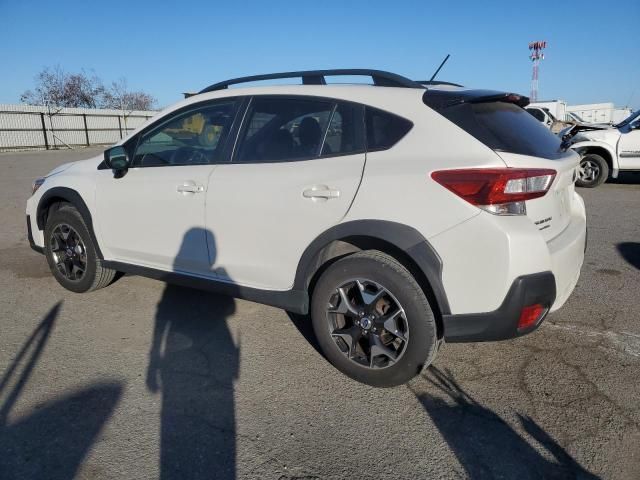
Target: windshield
(550,114)
(505,127)
(628,120)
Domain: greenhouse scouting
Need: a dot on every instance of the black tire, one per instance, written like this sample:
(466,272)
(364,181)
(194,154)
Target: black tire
(94,275)
(593,171)
(416,351)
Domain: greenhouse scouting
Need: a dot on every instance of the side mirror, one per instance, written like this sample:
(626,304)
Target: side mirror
(116,158)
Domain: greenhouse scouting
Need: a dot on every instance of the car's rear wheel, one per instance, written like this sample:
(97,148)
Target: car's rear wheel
(372,320)
(593,171)
(71,253)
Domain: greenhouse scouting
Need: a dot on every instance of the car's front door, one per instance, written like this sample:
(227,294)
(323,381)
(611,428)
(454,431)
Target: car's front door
(296,169)
(153,215)
(629,146)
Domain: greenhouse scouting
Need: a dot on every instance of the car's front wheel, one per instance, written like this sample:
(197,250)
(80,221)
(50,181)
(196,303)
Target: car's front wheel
(593,171)
(372,320)
(71,253)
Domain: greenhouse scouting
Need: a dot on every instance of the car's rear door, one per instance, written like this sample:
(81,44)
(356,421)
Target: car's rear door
(296,169)
(153,215)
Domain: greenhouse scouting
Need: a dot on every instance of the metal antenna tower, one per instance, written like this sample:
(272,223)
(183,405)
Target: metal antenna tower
(535,56)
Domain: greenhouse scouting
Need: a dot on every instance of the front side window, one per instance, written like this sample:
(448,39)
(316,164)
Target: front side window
(284,129)
(195,137)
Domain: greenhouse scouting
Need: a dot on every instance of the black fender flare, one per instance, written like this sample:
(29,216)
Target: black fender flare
(401,236)
(75,199)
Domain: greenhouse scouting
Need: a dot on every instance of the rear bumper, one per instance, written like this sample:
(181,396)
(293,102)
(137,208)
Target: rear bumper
(502,324)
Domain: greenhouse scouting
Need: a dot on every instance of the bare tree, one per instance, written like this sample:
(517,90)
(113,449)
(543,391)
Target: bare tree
(55,87)
(84,90)
(49,88)
(119,97)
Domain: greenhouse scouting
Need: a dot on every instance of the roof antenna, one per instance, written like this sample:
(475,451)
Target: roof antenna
(441,65)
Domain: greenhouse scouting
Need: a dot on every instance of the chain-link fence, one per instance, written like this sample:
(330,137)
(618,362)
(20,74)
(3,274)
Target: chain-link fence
(24,127)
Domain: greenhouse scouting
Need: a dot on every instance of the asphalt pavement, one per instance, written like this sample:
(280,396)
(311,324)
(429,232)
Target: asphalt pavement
(144,380)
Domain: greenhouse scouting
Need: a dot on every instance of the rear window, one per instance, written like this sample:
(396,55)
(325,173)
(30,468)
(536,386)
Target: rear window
(384,129)
(505,127)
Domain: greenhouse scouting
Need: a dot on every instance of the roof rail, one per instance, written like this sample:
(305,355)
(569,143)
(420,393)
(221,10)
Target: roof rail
(317,77)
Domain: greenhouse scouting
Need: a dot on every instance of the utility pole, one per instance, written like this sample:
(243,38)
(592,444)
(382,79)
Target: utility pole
(535,56)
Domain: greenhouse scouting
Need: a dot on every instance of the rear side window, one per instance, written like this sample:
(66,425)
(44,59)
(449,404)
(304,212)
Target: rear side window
(384,129)
(346,131)
(283,129)
(505,127)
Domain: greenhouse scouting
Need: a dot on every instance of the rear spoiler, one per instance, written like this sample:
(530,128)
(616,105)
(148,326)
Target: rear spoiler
(439,99)
(432,83)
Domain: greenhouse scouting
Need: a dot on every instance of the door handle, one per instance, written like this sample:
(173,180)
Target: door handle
(321,192)
(190,187)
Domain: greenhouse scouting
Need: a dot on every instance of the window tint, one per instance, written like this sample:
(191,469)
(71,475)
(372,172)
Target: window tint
(190,138)
(505,127)
(346,130)
(281,129)
(384,129)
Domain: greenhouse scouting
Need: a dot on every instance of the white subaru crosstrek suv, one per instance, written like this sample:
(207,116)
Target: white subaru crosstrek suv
(396,214)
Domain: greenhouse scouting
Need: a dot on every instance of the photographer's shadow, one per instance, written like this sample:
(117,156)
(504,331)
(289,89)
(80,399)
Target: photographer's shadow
(193,363)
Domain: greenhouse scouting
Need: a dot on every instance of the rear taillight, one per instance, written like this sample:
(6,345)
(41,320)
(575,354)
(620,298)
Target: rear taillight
(501,191)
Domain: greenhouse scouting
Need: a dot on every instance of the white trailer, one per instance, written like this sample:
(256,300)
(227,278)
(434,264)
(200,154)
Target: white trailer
(600,113)
(619,114)
(557,108)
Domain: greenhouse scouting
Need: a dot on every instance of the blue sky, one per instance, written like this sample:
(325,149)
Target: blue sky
(166,48)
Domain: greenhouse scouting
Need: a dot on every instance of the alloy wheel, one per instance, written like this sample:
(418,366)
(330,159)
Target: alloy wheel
(68,252)
(589,171)
(367,323)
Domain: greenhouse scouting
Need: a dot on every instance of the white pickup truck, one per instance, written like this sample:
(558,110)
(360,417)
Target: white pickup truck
(605,149)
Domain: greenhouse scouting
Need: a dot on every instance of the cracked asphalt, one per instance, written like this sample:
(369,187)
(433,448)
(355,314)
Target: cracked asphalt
(143,380)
